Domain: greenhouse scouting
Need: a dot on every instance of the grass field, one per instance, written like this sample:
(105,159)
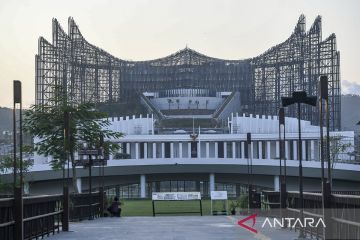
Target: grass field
(144,207)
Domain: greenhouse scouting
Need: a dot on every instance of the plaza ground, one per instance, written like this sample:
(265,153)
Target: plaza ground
(170,228)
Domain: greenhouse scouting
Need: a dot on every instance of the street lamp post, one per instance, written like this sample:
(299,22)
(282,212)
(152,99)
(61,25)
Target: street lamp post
(282,157)
(18,189)
(298,98)
(326,182)
(249,171)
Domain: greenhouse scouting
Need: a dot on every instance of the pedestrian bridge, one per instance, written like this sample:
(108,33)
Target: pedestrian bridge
(171,227)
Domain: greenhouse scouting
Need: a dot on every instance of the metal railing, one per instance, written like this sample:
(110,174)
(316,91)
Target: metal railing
(42,216)
(45,215)
(344,212)
(80,208)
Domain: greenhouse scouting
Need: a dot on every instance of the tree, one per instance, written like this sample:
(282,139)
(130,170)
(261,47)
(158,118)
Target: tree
(338,147)
(7,167)
(197,104)
(46,122)
(169,101)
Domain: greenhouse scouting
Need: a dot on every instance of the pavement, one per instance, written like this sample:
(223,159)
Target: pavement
(171,228)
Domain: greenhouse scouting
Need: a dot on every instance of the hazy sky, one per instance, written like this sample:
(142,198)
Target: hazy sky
(140,30)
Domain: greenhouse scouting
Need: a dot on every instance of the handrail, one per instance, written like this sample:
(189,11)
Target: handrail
(43,215)
(217,112)
(6,224)
(148,103)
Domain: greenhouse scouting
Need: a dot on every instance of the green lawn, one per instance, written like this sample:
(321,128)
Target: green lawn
(144,207)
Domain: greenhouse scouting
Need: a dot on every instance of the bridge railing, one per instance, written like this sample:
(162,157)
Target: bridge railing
(42,215)
(80,208)
(45,215)
(7,221)
(344,212)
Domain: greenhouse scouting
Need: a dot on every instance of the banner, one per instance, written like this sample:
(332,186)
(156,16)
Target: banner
(218,195)
(176,196)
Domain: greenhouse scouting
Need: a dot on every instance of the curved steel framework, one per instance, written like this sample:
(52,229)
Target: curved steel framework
(89,73)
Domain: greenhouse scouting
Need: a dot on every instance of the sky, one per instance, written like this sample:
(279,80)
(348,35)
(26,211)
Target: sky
(143,30)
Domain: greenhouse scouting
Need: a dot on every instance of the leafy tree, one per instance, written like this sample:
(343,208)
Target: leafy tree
(338,146)
(46,122)
(170,102)
(7,167)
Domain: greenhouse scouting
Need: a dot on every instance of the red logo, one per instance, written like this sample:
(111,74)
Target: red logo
(253,217)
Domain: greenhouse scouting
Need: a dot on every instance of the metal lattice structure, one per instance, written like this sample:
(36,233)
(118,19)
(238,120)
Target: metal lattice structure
(90,74)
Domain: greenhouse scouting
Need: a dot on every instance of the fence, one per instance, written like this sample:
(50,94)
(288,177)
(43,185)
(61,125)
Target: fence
(344,217)
(80,208)
(45,215)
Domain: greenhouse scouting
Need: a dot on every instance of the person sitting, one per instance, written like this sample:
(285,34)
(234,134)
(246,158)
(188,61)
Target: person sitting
(114,208)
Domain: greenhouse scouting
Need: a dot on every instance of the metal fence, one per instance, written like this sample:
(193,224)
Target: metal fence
(45,215)
(344,212)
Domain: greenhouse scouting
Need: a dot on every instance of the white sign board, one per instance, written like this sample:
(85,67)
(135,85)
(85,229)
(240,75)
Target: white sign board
(174,196)
(218,195)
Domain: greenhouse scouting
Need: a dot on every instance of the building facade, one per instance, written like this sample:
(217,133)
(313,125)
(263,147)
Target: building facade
(89,74)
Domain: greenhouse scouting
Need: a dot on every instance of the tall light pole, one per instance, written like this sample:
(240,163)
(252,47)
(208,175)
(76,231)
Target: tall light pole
(326,182)
(282,157)
(298,98)
(249,171)
(18,189)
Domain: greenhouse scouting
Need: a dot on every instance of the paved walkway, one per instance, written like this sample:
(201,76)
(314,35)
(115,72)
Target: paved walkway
(170,228)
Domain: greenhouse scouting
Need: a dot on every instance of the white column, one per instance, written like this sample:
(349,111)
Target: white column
(242,150)
(207,150)
(212,182)
(162,150)
(189,149)
(127,148)
(295,150)
(78,184)
(154,150)
(225,149)
(312,150)
(268,149)
(303,150)
(198,150)
(277,150)
(252,150)
(180,150)
(145,150)
(171,150)
(136,150)
(216,150)
(276,183)
(142,186)
(260,149)
(233,149)
(287,150)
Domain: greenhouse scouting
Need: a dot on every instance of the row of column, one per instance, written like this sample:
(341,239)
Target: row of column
(258,150)
(211,184)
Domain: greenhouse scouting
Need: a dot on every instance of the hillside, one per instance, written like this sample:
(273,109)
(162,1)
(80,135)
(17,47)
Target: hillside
(350,112)
(5,119)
